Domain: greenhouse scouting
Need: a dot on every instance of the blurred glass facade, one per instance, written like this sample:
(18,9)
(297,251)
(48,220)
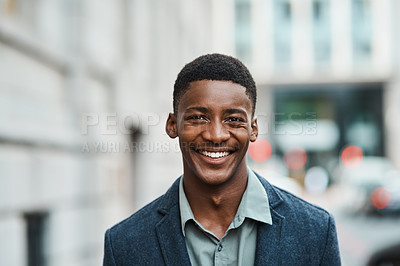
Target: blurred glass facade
(347,114)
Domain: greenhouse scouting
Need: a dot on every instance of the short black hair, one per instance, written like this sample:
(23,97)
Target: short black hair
(214,67)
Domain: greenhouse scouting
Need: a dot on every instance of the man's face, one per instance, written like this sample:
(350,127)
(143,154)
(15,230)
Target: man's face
(214,124)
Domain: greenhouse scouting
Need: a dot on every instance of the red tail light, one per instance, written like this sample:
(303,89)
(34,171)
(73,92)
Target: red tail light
(380,198)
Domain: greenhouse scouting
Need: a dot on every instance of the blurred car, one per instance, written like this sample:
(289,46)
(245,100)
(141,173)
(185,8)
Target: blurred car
(387,256)
(373,186)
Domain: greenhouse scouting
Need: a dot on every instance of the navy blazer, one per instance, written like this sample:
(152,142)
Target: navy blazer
(300,234)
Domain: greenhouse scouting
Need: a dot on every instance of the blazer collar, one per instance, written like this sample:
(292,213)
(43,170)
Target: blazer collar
(269,236)
(170,198)
(168,229)
(274,197)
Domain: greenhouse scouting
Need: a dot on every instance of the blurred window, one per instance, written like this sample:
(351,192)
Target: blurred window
(387,256)
(317,10)
(361,31)
(7,7)
(53,23)
(35,226)
(136,136)
(282,33)
(321,32)
(23,11)
(243,30)
(287,11)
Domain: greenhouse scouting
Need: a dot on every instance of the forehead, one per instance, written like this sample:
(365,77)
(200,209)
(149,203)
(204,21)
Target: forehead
(215,94)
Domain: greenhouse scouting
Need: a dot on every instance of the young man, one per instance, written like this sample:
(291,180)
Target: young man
(220,212)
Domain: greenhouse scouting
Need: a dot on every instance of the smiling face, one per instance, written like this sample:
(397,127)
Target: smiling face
(214,124)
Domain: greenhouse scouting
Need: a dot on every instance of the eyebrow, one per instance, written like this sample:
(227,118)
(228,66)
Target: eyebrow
(227,111)
(198,108)
(235,110)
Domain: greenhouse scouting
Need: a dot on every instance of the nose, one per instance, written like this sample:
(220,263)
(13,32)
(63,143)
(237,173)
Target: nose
(216,133)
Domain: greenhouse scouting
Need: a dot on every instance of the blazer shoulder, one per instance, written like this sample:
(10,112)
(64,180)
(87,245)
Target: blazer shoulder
(289,205)
(309,231)
(140,218)
(300,203)
(144,220)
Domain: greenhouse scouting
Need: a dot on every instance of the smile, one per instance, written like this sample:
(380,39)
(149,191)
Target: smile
(214,155)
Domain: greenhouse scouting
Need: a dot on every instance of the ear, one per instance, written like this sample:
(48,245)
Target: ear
(254,130)
(170,126)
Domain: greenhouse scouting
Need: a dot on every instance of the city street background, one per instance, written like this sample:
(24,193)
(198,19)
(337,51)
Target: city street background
(86,87)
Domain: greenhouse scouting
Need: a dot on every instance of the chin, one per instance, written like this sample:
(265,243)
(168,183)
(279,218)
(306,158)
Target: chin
(215,177)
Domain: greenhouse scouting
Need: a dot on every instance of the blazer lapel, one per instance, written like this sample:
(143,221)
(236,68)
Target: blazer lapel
(268,241)
(169,233)
(269,236)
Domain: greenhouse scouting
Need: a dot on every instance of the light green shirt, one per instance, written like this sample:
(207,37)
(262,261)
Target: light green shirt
(238,245)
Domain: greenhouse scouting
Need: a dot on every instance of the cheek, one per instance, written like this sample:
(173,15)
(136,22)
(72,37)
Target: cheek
(187,135)
(187,138)
(191,132)
(244,137)
(184,146)
(244,131)
(240,139)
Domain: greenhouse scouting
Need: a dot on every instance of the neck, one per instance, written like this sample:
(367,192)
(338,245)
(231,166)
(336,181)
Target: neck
(215,206)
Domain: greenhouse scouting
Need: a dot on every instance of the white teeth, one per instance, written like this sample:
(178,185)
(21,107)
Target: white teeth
(215,154)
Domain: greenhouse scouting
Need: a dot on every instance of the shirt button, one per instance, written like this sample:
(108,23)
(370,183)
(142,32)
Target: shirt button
(219,247)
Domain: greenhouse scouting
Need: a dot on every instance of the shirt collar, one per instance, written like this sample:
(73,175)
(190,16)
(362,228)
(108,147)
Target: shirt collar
(184,207)
(254,203)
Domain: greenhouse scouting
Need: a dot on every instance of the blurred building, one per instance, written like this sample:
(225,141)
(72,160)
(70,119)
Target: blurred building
(327,73)
(85,88)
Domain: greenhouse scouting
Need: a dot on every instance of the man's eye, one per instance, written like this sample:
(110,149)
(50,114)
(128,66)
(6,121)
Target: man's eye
(196,117)
(235,119)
